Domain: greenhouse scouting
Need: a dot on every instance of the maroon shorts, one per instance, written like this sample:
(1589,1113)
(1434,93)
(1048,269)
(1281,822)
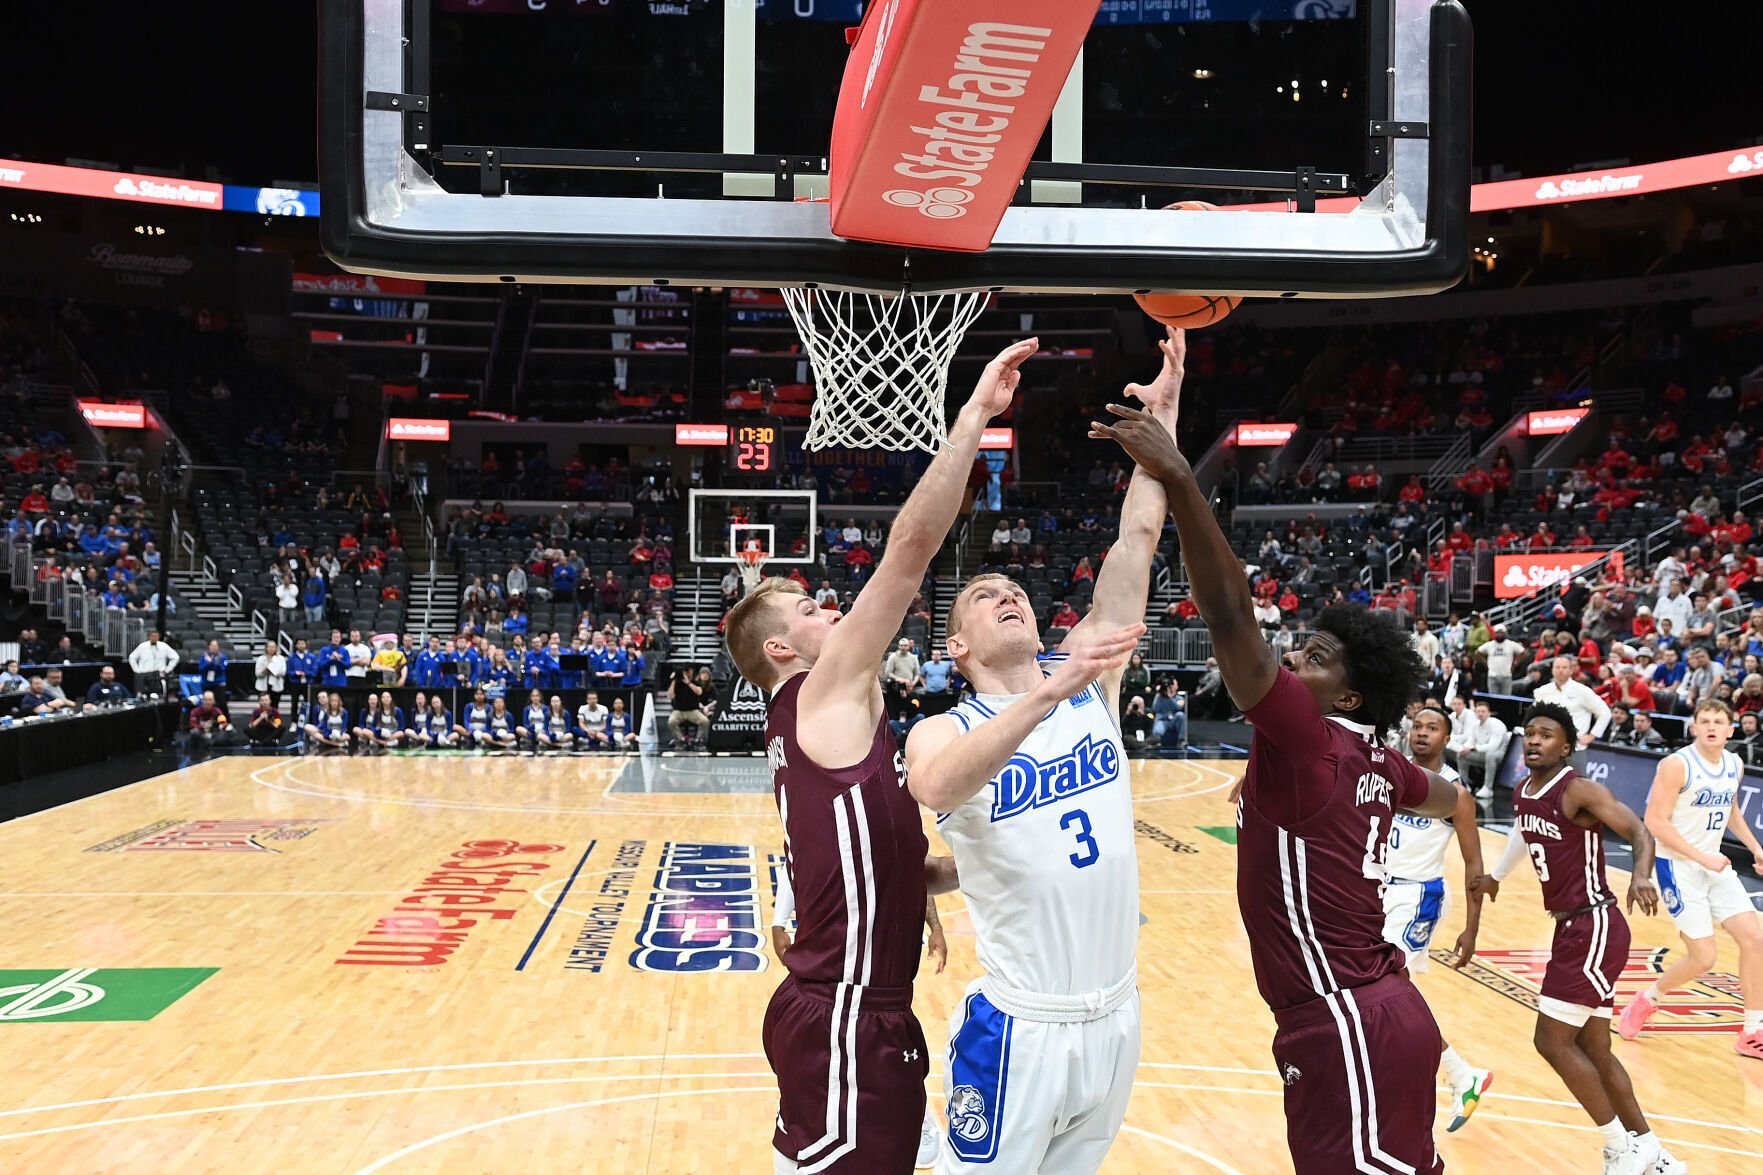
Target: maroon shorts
(850,1063)
(1588,954)
(1359,1067)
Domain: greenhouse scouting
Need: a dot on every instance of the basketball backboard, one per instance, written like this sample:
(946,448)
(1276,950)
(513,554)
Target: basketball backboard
(723,525)
(627,141)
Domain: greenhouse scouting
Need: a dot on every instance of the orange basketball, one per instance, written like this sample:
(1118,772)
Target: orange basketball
(1187,310)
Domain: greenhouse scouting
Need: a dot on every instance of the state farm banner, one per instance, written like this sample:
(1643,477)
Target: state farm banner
(1264,434)
(1520,575)
(110,185)
(1553,421)
(940,110)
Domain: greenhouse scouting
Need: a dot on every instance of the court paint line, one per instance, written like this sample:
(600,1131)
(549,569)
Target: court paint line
(1170,891)
(403,1071)
(206,893)
(1228,779)
(1182,1147)
(1705,1146)
(450,1135)
(370,1093)
(552,912)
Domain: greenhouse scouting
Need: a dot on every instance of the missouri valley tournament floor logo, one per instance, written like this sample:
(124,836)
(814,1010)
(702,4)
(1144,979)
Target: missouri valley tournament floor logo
(1713,1004)
(254,835)
(94,993)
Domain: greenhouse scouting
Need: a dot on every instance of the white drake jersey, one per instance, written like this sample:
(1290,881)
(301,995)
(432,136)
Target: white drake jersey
(1046,853)
(1418,843)
(1705,801)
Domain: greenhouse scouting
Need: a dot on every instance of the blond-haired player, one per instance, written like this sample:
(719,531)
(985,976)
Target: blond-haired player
(1695,799)
(849,1055)
(1030,780)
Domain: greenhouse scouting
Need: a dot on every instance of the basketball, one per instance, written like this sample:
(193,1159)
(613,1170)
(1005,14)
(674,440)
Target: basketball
(1190,311)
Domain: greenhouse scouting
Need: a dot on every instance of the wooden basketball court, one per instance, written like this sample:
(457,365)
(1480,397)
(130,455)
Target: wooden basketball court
(261,964)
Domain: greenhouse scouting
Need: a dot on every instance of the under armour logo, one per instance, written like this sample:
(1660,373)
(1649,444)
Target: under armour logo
(1292,1073)
(937,203)
(909,1055)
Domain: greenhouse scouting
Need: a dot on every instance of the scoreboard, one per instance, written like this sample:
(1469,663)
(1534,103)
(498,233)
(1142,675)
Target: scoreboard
(747,448)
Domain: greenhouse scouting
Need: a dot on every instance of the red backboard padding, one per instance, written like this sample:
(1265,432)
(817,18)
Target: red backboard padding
(940,110)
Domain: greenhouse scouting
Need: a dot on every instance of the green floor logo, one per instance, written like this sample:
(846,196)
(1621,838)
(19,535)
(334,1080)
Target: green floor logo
(87,993)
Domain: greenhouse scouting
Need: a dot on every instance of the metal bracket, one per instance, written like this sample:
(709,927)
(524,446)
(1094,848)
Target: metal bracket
(1305,189)
(1397,129)
(489,168)
(404,103)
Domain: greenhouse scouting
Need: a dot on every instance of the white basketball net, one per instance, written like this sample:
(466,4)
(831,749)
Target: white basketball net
(881,364)
(752,569)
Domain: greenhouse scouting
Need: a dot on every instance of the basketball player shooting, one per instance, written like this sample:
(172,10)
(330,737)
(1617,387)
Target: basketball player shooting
(1030,779)
(1356,1045)
(1559,818)
(849,1055)
(1695,798)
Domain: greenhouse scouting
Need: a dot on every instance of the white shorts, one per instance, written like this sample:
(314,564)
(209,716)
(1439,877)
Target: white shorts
(1699,899)
(1412,911)
(1574,1014)
(1027,1097)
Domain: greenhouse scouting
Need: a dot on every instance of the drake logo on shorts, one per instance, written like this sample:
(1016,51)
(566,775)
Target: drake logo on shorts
(967,1114)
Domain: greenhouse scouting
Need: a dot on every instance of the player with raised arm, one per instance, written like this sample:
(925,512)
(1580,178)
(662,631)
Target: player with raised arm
(1356,1045)
(1695,798)
(1416,898)
(1559,818)
(849,1055)
(1029,777)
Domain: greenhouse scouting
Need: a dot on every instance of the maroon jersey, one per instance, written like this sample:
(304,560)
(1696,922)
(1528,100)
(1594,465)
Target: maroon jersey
(1569,858)
(1312,829)
(855,845)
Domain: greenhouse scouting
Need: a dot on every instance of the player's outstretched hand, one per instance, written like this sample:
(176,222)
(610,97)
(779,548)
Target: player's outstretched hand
(997,384)
(1643,892)
(1091,657)
(1485,887)
(1463,951)
(1146,441)
(1162,396)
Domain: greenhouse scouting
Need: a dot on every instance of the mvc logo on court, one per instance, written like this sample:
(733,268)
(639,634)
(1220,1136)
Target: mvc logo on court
(211,836)
(91,993)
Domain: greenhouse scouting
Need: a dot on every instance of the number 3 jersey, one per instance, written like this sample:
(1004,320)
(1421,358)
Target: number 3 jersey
(1045,850)
(1313,826)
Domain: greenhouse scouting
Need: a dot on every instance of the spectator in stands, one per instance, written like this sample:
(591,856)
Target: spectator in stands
(1487,745)
(619,728)
(302,670)
(688,699)
(590,723)
(1210,699)
(437,730)
(11,681)
(500,730)
(1699,680)
(287,600)
(935,689)
(212,667)
(899,677)
(1630,691)
(1673,605)
(367,724)
(1749,699)
(1135,724)
(473,727)
(1501,655)
(360,655)
(313,596)
(1169,713)
(107,691)
(271,670)
(634,664)
(1641,733)
(154,662)
(210,727)
(1064,616)
(1698,632)
(264,727)
(333,663)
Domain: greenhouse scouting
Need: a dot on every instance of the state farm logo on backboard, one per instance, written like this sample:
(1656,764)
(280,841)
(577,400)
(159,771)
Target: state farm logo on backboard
(1520,575)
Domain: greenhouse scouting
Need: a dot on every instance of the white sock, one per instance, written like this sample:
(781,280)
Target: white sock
(1456,1068)
(1653,993)
(1753,1022)
(1646,1142)
(1615,1137)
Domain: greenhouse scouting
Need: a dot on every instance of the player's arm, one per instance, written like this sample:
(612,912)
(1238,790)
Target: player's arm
(1469,844)
(1124,582)
(845,670)
(1220,588)
(946,766)
(783,909)
(1440,801)
(1668,782)
(936,944)
(1598,802)
(1488,884)
(940,876)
